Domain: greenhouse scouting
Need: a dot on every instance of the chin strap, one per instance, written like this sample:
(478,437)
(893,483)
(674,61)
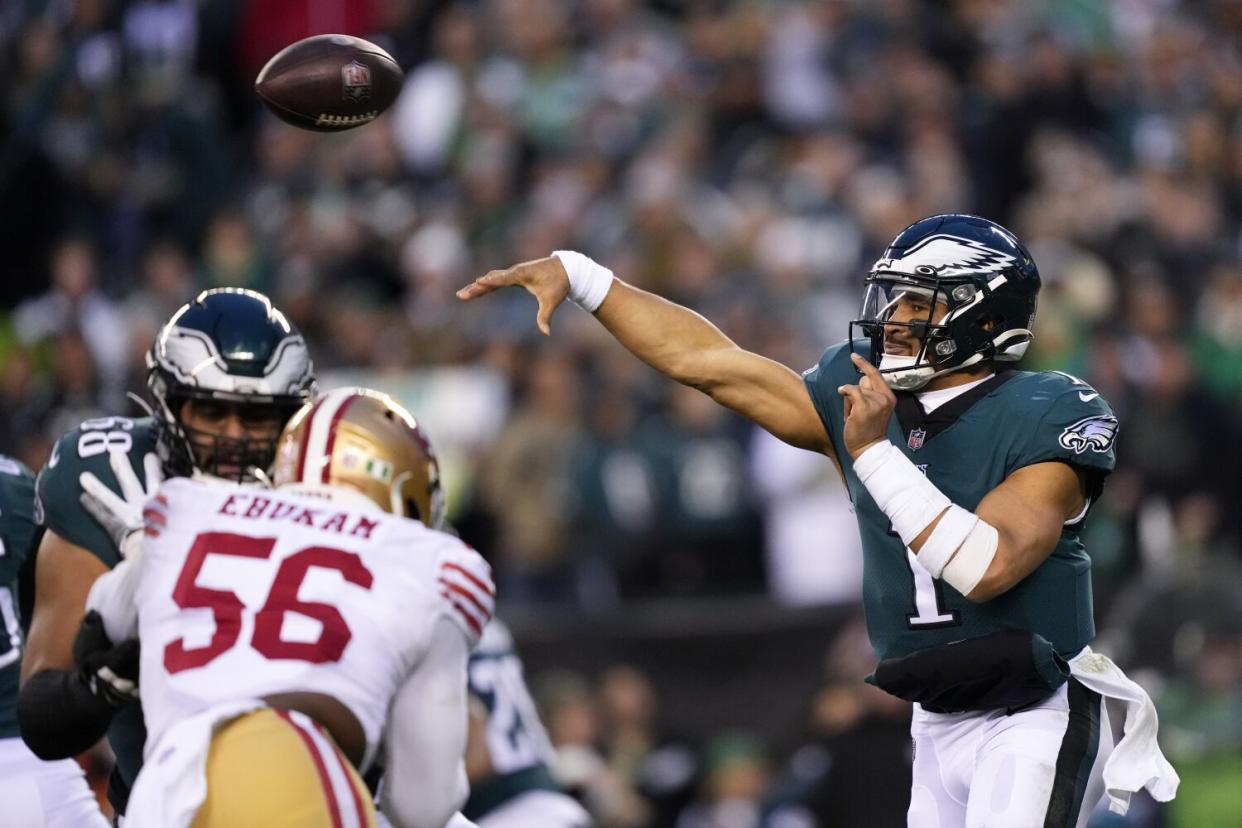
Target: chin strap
(900,373)
(902,378)
(397,505)
(141,403)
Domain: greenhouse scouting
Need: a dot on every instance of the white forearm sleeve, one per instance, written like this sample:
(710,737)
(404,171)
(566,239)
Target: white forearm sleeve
(902,492)
(113,596)
(974,556)
(961,547)
(955,525)
(424,773)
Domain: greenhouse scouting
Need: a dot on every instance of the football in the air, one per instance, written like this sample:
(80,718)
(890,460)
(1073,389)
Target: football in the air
(329,82)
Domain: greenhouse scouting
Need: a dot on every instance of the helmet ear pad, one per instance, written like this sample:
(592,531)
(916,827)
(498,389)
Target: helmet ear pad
(985,329)
(1006,323)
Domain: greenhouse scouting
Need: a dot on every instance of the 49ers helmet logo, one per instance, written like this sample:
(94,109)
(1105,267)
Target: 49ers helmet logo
(356,81)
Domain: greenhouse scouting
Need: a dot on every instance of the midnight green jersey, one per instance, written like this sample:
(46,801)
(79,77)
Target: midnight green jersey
(86,448)
(516,740)
(18,536)
(967,447)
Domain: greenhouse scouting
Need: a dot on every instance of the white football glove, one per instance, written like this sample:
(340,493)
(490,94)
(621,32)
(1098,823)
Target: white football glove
(121,515)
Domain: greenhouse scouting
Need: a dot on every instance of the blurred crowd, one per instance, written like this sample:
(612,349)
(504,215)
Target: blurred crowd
(748,158)
(618,751)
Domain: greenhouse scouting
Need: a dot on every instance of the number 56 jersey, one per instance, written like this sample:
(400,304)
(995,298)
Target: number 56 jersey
(241,593)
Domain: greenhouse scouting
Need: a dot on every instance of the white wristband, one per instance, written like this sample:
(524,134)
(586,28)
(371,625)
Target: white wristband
(902,492)
(954,526)
(589,281)
(974,556)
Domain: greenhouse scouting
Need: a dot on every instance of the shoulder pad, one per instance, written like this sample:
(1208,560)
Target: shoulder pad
(834,363)
(82,449)
(18,529)
(465,584)
(1075,424)
(496,640)
(833,370)
(10,467)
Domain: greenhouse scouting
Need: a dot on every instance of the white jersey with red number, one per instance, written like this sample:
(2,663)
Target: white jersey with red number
(246,592)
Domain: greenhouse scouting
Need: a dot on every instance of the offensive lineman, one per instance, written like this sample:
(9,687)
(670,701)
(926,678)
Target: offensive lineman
(37,794)
(338,625)
(969,503)
(225,372)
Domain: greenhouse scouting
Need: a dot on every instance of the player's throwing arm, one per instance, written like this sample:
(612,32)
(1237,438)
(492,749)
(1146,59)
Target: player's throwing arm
(674,340)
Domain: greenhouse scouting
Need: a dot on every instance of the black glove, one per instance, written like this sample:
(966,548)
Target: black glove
(109,670)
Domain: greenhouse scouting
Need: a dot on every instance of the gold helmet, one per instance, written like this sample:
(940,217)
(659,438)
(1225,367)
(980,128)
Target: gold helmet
(362,440)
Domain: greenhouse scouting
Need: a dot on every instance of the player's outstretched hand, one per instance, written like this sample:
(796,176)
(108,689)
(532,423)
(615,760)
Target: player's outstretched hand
(868,407)
(544,278)
(121,515)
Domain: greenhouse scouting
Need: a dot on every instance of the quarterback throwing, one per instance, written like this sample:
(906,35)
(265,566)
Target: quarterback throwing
(969,502)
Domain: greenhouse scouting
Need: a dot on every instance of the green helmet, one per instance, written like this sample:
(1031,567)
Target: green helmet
(973,266)
(228,345)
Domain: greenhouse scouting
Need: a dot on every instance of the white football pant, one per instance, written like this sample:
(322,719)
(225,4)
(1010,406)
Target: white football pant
(39,794)
(1038,768)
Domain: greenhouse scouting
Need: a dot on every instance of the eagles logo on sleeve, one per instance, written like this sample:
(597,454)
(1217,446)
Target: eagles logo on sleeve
(1096,434)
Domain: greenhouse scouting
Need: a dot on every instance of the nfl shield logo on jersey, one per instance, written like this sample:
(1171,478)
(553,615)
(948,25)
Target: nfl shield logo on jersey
(356,81)
(916,438)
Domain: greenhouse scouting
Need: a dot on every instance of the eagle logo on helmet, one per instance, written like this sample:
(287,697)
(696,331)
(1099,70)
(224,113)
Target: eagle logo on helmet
(1096,434)
(943,256)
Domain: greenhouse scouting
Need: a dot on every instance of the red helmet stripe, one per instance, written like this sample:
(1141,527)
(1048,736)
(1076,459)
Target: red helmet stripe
(306,430)
(327,450)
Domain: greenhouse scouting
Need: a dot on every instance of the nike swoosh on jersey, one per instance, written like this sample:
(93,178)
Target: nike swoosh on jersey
(1088,397)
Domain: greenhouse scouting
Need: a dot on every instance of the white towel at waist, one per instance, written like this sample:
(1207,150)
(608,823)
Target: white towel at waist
(1136,761)
(172,784)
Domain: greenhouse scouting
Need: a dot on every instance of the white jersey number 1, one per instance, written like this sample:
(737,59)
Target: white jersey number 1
(928,611)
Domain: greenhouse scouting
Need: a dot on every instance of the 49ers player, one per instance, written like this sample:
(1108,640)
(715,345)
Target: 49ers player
(291,636)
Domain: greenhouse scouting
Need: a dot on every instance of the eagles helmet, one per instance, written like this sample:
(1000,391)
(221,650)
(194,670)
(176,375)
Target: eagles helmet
(975,267)
(366,444)
(228,345)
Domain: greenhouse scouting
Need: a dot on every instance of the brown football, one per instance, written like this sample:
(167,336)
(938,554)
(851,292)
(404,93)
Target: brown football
(329,82)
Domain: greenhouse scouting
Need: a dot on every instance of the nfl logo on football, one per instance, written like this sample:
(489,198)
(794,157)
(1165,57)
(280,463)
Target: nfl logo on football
(356,81)
(916,438)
